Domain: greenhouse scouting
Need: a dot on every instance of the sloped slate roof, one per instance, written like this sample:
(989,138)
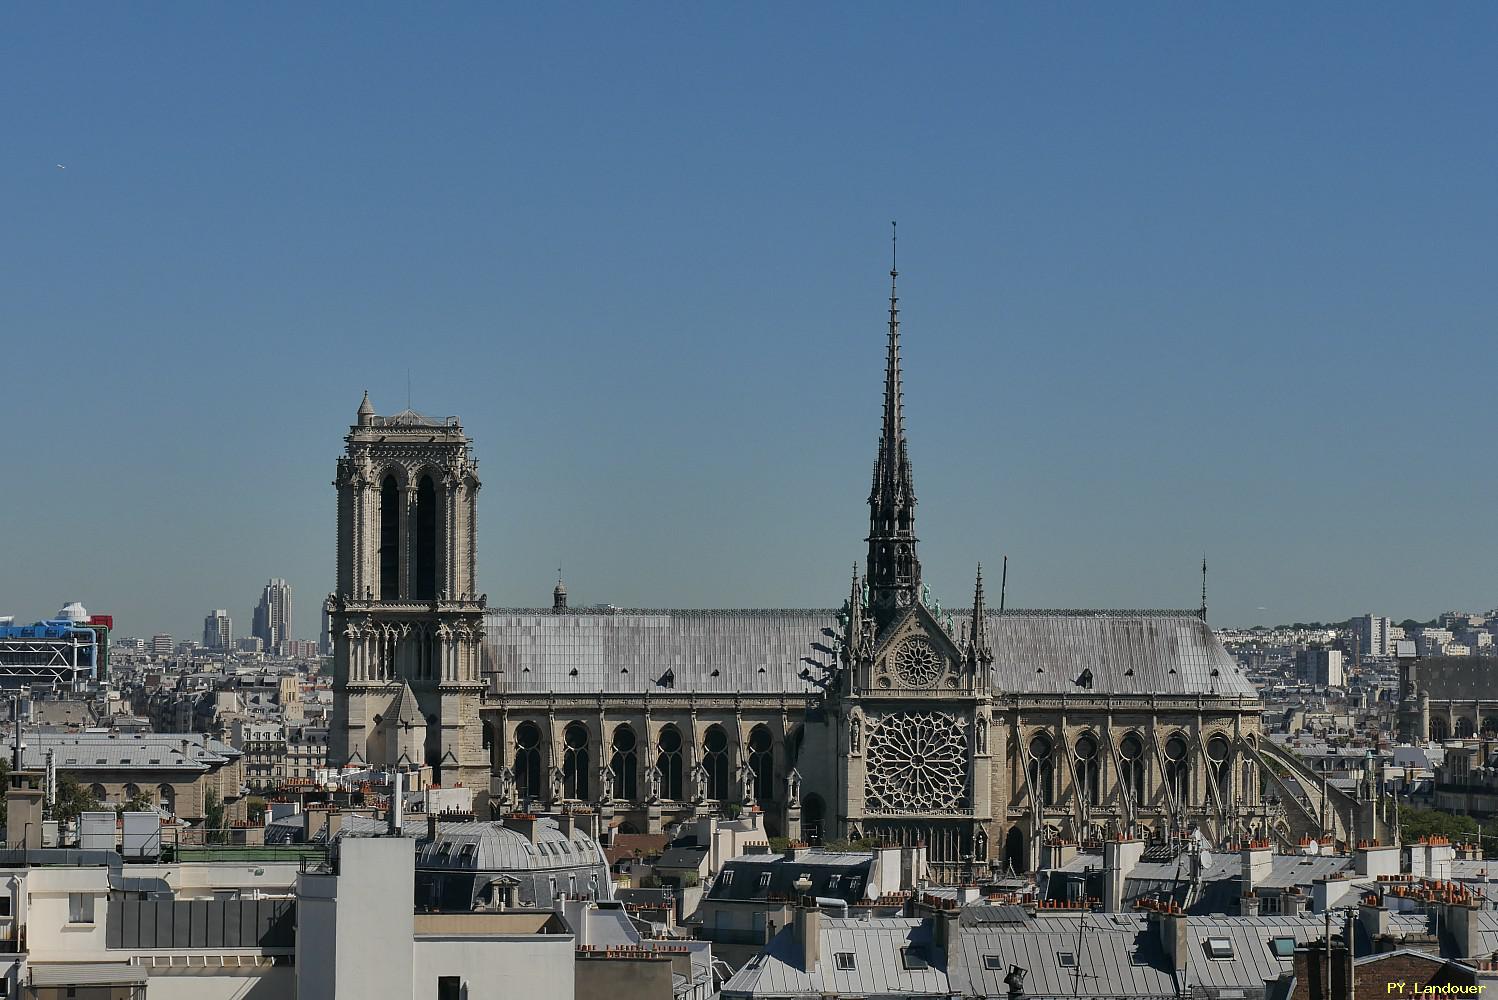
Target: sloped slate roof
(84,751)
(878,969)
(408,418)
(765,651)
(405,710)
(1458,678)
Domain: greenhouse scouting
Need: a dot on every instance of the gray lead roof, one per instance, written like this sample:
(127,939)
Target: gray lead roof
(541,651)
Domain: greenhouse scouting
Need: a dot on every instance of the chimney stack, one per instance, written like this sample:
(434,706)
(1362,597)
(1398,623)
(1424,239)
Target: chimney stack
(1258,862)
(1120,857)
(807,926)
(1175,937)
(397,804)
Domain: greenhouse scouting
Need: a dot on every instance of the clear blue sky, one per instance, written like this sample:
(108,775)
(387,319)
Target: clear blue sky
(1176,278)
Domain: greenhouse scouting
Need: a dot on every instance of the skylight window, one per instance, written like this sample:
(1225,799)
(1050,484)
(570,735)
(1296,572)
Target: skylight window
(993,963)
(912,960)
(1066,959)
(764,879)
(1219,947)
(1283,947)
(845,961)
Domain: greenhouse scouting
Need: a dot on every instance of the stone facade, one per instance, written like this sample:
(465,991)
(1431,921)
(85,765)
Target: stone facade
(978,733)
(406,619)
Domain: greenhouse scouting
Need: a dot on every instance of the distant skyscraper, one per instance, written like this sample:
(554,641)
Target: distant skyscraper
(325,642)
(218,630)
(161,644)
(273,616)
(1373,634)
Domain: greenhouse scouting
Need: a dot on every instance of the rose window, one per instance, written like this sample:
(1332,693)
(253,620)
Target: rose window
(918,664)
(917,763)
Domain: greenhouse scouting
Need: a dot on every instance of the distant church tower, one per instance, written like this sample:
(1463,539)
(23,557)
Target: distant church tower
(406,622)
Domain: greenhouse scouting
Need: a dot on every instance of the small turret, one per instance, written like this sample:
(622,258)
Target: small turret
(853,632)
(559,596)
(978,649)
(366,411)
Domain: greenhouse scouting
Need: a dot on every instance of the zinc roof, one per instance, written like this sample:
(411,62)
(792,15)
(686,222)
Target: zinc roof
(728,651)
(154,751)
(878,966)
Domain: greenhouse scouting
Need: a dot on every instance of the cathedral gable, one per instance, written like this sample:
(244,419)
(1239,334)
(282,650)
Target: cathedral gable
(916,653)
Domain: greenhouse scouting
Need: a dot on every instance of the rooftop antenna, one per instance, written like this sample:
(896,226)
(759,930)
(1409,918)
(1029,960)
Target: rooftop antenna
(1003,584)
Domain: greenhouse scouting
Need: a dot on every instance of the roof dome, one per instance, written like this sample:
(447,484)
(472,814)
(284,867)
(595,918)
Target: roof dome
(73,612)
(494,847)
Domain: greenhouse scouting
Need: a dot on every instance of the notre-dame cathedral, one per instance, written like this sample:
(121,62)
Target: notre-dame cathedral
(977,732)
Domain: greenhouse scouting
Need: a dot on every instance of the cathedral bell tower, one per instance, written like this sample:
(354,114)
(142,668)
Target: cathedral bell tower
(406,623)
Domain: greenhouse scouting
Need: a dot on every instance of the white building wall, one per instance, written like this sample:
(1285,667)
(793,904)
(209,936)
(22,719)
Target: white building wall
(358,924)
(278,983)
(496,968)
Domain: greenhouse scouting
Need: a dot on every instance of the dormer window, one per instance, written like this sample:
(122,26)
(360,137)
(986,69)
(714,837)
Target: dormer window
(844,960)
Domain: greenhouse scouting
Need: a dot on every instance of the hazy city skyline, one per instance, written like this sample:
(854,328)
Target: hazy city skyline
(1174,281)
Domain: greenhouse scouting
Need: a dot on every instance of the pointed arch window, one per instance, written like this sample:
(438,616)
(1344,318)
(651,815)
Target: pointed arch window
(624,764)
(528,761)
(668,762)
(390,547)
(1131,752)
(1178,768)
(575,761)
(715,760)
(1042,769)
(1089,768)
(1220,752)
(762,763)
(425,549)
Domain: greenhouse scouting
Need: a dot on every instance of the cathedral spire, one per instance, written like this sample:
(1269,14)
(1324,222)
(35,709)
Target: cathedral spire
(893,569)
(1204,588)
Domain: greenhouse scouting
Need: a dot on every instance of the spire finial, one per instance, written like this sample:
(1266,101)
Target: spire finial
(1204,587)
(1004,585)
(894,246)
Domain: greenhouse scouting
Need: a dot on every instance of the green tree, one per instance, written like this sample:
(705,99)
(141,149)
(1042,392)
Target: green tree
(213,818)
(1415,823)
(72,798)
(254,809)
(139,802)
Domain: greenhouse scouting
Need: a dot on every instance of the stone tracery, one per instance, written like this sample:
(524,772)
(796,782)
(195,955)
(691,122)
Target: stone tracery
(917,763)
